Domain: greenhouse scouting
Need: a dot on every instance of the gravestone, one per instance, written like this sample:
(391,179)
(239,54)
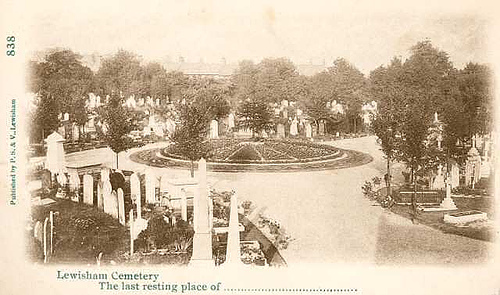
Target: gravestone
(113,205)
(88,189)
(308,130)
(46,180)
(75,132)
(281,130)
(448,203)
(55,161)
(183,205)
(170,124)
(106,197)
(104,174)
(150,186)
(100,195)
(202,239)
(121,206)
(293,127)
(321,128)
(438,182)
(62,179)
(472,167)
(230,123)
(74,181)
(233,252)
(38,231)
(214,129)
(135,192)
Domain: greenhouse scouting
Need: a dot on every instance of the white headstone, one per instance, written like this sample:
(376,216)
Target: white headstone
(321,128)
(170,124)
(74,181)
(439,179)
(183,205)
(135,192)
(104,174)
(62,179)
(231,121)
(66,117)
(88,189)
(146,131)
(121,206)
(447,202)
(106,197)
(233,252)
(308,130)
(113,205)
(55,161)
(293,127)
(75,132)
(472,167)
(214,129)
(150,186)
(281,130)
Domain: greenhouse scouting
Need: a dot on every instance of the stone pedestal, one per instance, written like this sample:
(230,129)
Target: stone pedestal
(202,240)
(448,203)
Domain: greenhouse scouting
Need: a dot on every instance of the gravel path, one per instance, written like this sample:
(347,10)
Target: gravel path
(328,216)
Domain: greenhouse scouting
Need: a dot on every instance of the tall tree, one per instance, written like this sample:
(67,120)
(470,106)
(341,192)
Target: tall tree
(122,74)
(349,87)
(190,139)
(425,75)
(467,110)
(119,122)
(255,115)
(211,95)
(387,89)
(62,83)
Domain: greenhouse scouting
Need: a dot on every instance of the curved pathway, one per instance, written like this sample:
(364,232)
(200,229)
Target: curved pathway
(328,216)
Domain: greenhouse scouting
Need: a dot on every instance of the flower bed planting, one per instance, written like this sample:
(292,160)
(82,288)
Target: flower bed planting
(264,151)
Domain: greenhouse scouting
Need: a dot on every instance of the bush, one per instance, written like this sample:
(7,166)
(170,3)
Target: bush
(161,234)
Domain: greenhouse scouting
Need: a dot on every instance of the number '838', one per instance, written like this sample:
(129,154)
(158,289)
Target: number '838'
(11,46)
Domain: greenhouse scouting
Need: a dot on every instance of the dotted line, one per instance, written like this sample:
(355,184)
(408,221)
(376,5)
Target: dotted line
(289,290)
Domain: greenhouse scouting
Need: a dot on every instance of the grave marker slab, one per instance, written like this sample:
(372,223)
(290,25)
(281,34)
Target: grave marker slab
(88,189)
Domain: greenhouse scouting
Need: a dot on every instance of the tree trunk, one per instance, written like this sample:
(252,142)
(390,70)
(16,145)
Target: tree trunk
(389,192)
(192,169)
(116,161)
(414,199)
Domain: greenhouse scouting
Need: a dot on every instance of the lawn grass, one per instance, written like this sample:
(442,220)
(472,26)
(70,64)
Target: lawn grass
(435,219)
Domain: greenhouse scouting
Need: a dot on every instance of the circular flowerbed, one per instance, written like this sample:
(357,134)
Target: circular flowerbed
(261,152)
(230,155)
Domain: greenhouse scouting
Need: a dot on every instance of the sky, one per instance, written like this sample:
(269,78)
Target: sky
(306,31)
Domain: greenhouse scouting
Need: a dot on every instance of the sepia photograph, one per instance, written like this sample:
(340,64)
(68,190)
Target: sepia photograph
(274,139)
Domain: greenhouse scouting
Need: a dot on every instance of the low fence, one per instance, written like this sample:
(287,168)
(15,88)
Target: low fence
(422,197)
